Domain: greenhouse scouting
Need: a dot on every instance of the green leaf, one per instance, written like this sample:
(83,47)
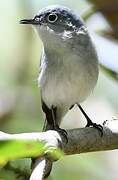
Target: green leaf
(15,149)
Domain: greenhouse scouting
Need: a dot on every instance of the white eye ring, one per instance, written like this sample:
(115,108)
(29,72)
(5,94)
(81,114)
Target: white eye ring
(52,17)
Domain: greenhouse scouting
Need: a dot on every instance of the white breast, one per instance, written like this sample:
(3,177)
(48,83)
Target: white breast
(69,84)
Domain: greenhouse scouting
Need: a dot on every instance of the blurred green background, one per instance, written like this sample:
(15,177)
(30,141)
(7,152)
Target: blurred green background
(20,108)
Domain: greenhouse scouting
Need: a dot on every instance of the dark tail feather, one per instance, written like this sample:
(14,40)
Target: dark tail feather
(47,126)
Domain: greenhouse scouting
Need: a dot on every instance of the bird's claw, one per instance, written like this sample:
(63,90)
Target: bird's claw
(97,126)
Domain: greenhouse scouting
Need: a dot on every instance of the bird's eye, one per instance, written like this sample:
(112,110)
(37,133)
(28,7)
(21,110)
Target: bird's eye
(52,17)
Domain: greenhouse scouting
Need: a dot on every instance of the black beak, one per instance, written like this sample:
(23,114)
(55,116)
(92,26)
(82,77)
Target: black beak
(29,21)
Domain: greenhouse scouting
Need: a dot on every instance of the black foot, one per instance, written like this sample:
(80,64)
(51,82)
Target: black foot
(97,126)
(90,123)
(62,132)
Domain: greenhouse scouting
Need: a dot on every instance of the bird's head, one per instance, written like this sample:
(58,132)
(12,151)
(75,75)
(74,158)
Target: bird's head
(56,23)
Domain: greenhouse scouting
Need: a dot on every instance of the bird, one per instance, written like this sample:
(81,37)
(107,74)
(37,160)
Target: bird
(68,65)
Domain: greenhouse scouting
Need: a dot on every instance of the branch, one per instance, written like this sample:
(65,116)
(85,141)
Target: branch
(79,141)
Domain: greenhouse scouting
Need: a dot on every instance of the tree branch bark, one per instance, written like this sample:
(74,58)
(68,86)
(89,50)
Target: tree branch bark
(80,140)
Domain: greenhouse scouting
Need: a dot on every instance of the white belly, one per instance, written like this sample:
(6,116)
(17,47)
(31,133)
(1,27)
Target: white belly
(70,85)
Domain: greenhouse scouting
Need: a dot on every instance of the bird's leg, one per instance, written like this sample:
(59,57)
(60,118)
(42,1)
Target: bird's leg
(56,126)
(71,107)
(89,122)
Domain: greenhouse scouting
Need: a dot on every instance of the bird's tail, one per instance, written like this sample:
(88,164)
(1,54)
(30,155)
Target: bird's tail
(47,126)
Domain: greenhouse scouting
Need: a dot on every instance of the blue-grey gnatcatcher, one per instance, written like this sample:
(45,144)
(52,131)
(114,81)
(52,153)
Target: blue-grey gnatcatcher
(69,64)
